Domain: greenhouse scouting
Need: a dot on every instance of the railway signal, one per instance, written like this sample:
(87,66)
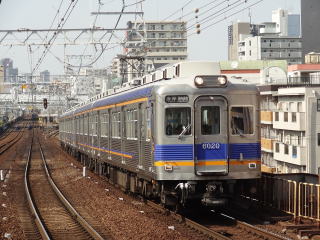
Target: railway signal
(45,103)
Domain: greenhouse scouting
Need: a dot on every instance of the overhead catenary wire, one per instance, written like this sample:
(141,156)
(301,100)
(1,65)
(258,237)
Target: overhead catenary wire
(104,48)
(177,11)
(221,11)
(226,17)
(62,22)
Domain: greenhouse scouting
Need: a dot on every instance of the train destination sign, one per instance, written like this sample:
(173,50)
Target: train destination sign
(177,99)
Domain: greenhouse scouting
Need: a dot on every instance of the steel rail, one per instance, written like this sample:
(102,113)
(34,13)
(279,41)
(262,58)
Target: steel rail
(43,231)
(189,223)
(11,142)
(35,212)
(259,231)
(93,233)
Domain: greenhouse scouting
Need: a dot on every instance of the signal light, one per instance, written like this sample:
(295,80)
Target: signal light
(45,103)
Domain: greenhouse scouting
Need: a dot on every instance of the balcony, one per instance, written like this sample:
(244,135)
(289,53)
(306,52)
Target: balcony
(290,45)
(270,55)
(266,117)
(298,157)
(296,123)
(270,45)
(267,145)
(291,55)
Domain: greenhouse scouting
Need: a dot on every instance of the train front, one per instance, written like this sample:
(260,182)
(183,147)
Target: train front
(206,138)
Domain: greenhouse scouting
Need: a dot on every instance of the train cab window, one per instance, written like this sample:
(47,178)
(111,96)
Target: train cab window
(241,120)
(210,120)
(177,120)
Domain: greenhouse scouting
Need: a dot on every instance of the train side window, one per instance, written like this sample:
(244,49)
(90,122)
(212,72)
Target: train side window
(210,120)
(116,122)
(241,120)
(131,119)
(148,115)
(177,119)
(104,119)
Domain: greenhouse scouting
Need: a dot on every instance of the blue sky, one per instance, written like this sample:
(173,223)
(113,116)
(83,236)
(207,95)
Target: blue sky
(211,44)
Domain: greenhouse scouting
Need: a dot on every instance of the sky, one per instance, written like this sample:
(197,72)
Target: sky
(210,44)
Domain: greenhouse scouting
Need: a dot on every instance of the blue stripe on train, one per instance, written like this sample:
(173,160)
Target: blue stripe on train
(248,150)
(173,152)
(212,151)
(185,152)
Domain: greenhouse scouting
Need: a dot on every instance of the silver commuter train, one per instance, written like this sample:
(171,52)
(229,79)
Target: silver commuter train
(181,134)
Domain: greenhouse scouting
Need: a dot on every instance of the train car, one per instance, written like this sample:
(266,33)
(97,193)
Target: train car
(181,134)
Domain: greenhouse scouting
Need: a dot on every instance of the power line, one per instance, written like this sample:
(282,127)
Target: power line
(172,14)
(226,17)
(62,22)
(214,15)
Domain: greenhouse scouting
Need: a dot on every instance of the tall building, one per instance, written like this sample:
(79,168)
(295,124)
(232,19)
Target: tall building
(235,31)
(159,42)
(310,19)
(294,25)
(280,18)
(10,73)
(45,76)
(278,40)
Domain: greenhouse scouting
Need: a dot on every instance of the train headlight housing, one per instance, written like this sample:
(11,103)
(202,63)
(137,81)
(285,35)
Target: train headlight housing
(198,81)
(222,80)
(208,81)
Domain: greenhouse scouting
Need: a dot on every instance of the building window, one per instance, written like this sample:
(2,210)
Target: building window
(285,115)
(294,151)
(294,117)
(318,139)
(318,105)
(250,52)
(277,147)
(276,115)
(286,149)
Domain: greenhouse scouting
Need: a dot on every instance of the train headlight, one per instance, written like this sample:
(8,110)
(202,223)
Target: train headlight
(198,81)
(222,80)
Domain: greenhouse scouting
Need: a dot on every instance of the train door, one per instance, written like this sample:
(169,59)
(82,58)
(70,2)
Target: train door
(211,135)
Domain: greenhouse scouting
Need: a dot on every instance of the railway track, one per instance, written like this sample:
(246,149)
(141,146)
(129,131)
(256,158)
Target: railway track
(53,214)
(7,142)
(237,230)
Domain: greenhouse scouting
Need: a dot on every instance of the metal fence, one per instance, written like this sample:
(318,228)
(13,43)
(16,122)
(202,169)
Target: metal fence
(297,198)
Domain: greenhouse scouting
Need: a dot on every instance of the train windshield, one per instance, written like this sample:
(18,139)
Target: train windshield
(242,120)
(210,120)
(177,120)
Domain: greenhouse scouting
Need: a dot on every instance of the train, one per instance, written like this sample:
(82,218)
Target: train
(182,134)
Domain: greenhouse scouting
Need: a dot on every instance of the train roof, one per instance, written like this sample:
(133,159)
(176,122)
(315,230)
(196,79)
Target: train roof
(174,74)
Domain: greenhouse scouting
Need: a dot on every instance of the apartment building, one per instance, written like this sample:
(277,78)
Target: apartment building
(166,42)
(290,116)
(277,40)
(271,47)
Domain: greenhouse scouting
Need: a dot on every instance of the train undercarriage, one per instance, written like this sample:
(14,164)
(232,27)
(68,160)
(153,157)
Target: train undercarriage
(214,194)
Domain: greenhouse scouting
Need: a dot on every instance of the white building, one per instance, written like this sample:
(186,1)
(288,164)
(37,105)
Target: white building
(160,43)
(290,116)
(280,18)
(269,40)
(271,47)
